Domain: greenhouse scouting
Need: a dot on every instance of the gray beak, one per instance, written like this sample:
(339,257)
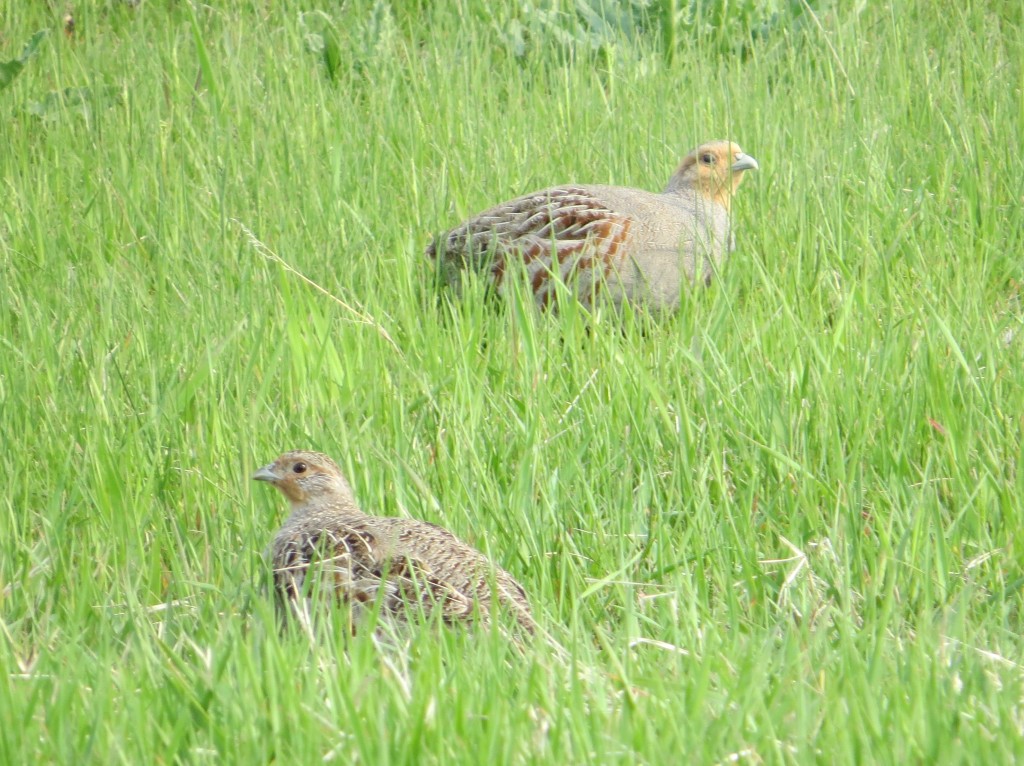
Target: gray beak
(744,162)
(266,473)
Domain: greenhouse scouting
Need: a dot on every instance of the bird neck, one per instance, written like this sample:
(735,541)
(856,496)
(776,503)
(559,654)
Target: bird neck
(697,191)
(723,196)
(333,505)
(718,191)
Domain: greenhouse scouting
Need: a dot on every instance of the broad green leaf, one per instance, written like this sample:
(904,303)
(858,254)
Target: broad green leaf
(11,69)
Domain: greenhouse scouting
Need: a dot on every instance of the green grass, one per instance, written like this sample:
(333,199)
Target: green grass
(783,526)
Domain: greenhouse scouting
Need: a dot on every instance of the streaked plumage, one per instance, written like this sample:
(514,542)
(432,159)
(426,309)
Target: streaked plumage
(330,550)
(632,245)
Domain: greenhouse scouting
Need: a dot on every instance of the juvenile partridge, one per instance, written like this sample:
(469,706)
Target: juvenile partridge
(631,245)
(329,549)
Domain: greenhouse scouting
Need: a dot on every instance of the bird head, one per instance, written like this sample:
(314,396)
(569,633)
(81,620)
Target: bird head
(306,476)
(714,169)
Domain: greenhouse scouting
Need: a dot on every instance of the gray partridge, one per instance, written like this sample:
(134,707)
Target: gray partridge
(329,549)
(632,245)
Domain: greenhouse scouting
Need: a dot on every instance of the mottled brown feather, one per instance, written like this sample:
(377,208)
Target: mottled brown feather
(329,550)
(640,246)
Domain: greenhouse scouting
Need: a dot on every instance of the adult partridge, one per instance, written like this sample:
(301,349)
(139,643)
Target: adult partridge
(631,245)
(330,550)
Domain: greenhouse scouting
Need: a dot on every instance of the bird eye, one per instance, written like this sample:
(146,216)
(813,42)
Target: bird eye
(708,158)
(299,468)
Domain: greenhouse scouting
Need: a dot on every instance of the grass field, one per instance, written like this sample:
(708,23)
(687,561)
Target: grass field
(783,526)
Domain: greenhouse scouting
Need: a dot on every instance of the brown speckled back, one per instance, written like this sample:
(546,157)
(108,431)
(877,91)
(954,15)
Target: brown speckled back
(631,245)
(329,548)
